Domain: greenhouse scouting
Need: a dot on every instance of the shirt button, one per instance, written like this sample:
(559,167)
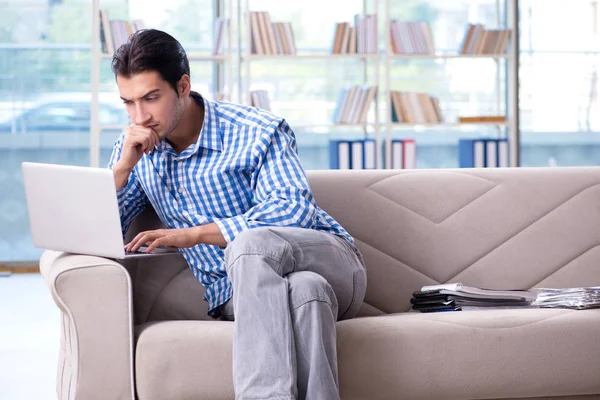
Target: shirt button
(181,190)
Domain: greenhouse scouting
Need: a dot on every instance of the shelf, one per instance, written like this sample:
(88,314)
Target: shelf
(254,57)
(329,125)
(448,56)
(446,124)
(191,57)
(112,127)
(206,57)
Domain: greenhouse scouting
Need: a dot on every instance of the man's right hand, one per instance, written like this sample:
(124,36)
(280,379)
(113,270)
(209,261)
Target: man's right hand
(139,140)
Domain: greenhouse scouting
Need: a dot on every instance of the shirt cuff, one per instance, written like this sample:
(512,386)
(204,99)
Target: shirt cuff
(125,191)
(230,227)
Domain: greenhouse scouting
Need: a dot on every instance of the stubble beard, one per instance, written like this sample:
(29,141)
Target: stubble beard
(174,122)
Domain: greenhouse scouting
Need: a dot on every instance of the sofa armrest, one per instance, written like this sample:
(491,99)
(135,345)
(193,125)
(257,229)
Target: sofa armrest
(95,297)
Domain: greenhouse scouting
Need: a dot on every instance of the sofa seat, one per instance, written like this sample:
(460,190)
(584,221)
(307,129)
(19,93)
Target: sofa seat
(500,353)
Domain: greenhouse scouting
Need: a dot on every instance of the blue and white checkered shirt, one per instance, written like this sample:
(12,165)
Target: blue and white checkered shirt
(242,173)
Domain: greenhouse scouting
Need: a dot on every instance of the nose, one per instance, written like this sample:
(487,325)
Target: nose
(140,115)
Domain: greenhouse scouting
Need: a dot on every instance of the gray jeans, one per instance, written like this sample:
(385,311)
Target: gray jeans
(290,286)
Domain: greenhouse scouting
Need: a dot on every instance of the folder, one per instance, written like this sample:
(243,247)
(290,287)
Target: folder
(339,154)
(491,153)
(503,157)
(370,154)
(471,153)
(409,160)
(357,156)
(397,154)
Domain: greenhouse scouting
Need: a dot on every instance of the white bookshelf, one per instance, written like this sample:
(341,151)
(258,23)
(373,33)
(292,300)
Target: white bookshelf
(380,126)
(511,84)
(223,62)
(247,58)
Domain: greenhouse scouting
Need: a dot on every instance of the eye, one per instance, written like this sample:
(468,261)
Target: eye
(127,102)
(150,98)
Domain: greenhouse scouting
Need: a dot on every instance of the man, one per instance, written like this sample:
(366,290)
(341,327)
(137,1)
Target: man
(227,183)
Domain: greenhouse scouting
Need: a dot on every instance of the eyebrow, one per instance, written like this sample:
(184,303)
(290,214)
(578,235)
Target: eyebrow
(146,95)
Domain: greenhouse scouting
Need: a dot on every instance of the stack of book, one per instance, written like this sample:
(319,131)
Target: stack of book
(580,298)
(260,99)
(360,38)
(415,108)
(479,40)
(352,154)
(483,153)
(458,297)
(411,37)
(403,153)
(353,104)
(116,32)
(270,38)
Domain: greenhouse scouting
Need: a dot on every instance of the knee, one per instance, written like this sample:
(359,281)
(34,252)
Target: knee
(258,241)
(306,287)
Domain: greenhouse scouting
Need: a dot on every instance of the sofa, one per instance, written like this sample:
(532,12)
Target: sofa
(139,329)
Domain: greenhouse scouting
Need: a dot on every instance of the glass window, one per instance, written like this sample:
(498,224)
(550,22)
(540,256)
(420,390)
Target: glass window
(560,111)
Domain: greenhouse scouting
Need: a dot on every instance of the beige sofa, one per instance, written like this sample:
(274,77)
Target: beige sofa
(141,329)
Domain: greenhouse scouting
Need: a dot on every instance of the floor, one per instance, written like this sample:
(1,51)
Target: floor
(29,339)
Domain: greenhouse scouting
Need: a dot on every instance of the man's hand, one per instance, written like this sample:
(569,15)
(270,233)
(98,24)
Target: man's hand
(139,140)
(181,238)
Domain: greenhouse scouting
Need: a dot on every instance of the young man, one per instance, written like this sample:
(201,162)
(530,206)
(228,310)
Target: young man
(227,183)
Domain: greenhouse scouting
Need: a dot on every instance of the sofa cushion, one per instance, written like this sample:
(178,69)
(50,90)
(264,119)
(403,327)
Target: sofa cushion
(183,360)
(459,355)
(470,355)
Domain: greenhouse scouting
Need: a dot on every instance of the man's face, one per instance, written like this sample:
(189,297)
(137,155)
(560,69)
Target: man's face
(151,102)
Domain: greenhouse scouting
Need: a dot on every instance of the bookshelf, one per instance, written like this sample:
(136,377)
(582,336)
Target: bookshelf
(248,56)
(508,60)
(222,66)
(377,68)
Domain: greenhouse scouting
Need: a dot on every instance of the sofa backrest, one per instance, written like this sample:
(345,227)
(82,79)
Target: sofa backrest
(492,228)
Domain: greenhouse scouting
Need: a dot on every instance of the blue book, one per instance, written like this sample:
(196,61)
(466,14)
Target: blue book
(471,153)
(338,105)
(357,154)
(340,154)
(369,154)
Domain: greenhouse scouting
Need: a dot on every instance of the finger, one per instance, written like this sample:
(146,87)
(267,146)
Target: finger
(136,139)
(135,240)
(140,240)
(154,245)
(146,136)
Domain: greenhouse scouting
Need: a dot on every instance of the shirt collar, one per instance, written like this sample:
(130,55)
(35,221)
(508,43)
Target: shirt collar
(210,134)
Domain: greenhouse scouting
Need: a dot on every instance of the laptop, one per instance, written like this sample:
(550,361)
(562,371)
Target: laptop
(75,210)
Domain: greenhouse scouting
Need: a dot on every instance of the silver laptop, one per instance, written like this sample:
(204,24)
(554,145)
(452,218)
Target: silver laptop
(75,210)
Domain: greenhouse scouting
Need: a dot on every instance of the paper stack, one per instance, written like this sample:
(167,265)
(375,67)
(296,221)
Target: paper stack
(579,298)
(458,297)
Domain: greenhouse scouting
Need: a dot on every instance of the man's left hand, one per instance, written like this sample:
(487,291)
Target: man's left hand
(180,238)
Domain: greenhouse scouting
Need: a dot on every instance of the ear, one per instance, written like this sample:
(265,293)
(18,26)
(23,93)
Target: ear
(184,86)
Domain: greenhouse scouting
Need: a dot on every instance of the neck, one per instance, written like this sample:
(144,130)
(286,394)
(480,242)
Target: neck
(188,129)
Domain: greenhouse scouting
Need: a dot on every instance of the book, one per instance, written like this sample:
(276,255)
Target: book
(460,289)
(459,297)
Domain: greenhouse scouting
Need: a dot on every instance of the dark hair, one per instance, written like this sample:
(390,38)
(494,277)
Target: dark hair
(152,50)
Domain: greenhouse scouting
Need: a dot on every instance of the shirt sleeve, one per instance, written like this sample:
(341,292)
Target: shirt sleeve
(282,196)
(131,198)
